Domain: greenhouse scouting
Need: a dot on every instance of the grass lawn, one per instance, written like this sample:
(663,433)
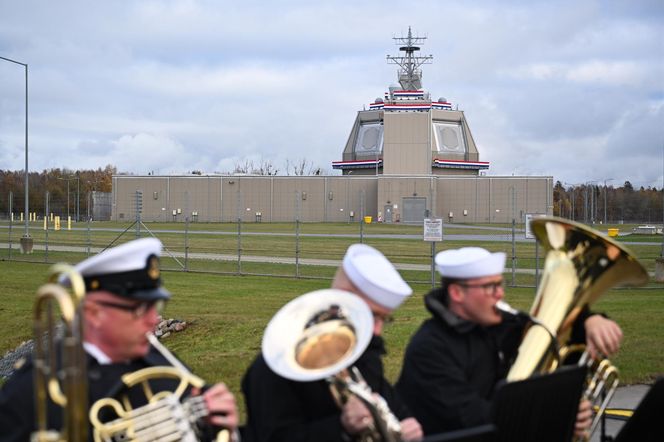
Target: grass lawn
(229,313)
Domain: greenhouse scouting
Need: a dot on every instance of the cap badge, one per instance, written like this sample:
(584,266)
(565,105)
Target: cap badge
(94,284)
(153,268)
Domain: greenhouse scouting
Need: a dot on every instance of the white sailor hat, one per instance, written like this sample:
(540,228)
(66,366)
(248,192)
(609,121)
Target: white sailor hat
(375,276)
(469,262)
(130,270)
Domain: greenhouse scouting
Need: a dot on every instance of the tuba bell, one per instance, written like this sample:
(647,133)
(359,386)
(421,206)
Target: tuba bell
(319,336)
(581,264)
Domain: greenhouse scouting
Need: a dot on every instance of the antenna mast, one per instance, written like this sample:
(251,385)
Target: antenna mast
(410,76)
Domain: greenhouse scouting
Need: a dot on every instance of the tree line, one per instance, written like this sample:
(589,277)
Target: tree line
(595,203)
(68,190)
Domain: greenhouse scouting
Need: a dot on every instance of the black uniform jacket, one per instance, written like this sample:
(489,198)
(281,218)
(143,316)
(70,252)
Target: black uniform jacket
(17,413)
(279,409)
(451,367)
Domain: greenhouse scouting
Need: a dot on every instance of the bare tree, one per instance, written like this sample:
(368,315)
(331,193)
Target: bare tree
(244,166)
(265,167)
(300,167)
(247,166)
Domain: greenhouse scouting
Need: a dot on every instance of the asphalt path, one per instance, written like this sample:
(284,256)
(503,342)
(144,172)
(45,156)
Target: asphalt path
(502,234)
(626,397)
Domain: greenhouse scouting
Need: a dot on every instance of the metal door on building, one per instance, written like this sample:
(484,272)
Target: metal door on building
(414,209)
(388,214)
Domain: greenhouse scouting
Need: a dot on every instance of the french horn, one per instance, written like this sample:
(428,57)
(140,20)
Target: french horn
(319,336)
(167,416)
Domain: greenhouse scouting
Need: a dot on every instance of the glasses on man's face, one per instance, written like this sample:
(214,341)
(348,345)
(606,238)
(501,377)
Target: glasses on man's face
(489,288)
(137,310)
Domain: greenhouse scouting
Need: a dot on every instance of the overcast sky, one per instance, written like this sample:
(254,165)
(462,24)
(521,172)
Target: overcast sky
(572,89)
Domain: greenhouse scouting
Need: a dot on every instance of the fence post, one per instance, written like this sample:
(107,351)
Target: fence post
(11,222)
(513,251)
(186,231)
(89,237)
(362,217)
(139,207)
(239,245)
(433,264)
(186,243)
(297,234)
(46,201)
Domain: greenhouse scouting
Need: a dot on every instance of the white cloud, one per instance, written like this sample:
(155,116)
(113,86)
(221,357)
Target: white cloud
(547,88)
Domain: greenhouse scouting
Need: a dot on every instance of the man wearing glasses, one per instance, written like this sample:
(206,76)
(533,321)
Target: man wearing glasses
(123,299)
(455,359)
(306,411)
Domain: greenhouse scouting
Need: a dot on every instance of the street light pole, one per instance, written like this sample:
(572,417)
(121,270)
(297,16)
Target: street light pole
(26,241)
(78,198)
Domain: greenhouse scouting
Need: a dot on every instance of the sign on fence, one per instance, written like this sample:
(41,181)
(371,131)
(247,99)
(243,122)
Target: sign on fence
(433,229)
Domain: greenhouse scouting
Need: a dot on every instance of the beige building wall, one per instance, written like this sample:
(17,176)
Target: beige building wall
(468,199)
(407,143)
(249,198)
(493,199)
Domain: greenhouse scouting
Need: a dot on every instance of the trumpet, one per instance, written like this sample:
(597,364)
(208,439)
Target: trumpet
(318,336)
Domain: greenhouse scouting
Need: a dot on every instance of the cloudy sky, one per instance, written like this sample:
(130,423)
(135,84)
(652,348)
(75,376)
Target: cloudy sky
(570,88)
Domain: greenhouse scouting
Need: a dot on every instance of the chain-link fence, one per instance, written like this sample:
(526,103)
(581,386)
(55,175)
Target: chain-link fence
(295,249)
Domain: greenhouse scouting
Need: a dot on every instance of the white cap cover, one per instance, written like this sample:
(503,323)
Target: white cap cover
(375,276)
(469,262)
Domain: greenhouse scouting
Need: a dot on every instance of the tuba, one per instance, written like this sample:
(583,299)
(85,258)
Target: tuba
(65,386)
(581,264)
(320,335)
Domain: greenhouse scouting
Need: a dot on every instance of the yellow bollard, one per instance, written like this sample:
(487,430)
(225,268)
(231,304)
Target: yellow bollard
(21,216)
(51,216)
(45,225)
(69,223)
(57,223)
(12,216)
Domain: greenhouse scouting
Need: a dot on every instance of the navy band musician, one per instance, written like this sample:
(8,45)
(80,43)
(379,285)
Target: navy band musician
(280,409)
(455,359)
(122,303)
